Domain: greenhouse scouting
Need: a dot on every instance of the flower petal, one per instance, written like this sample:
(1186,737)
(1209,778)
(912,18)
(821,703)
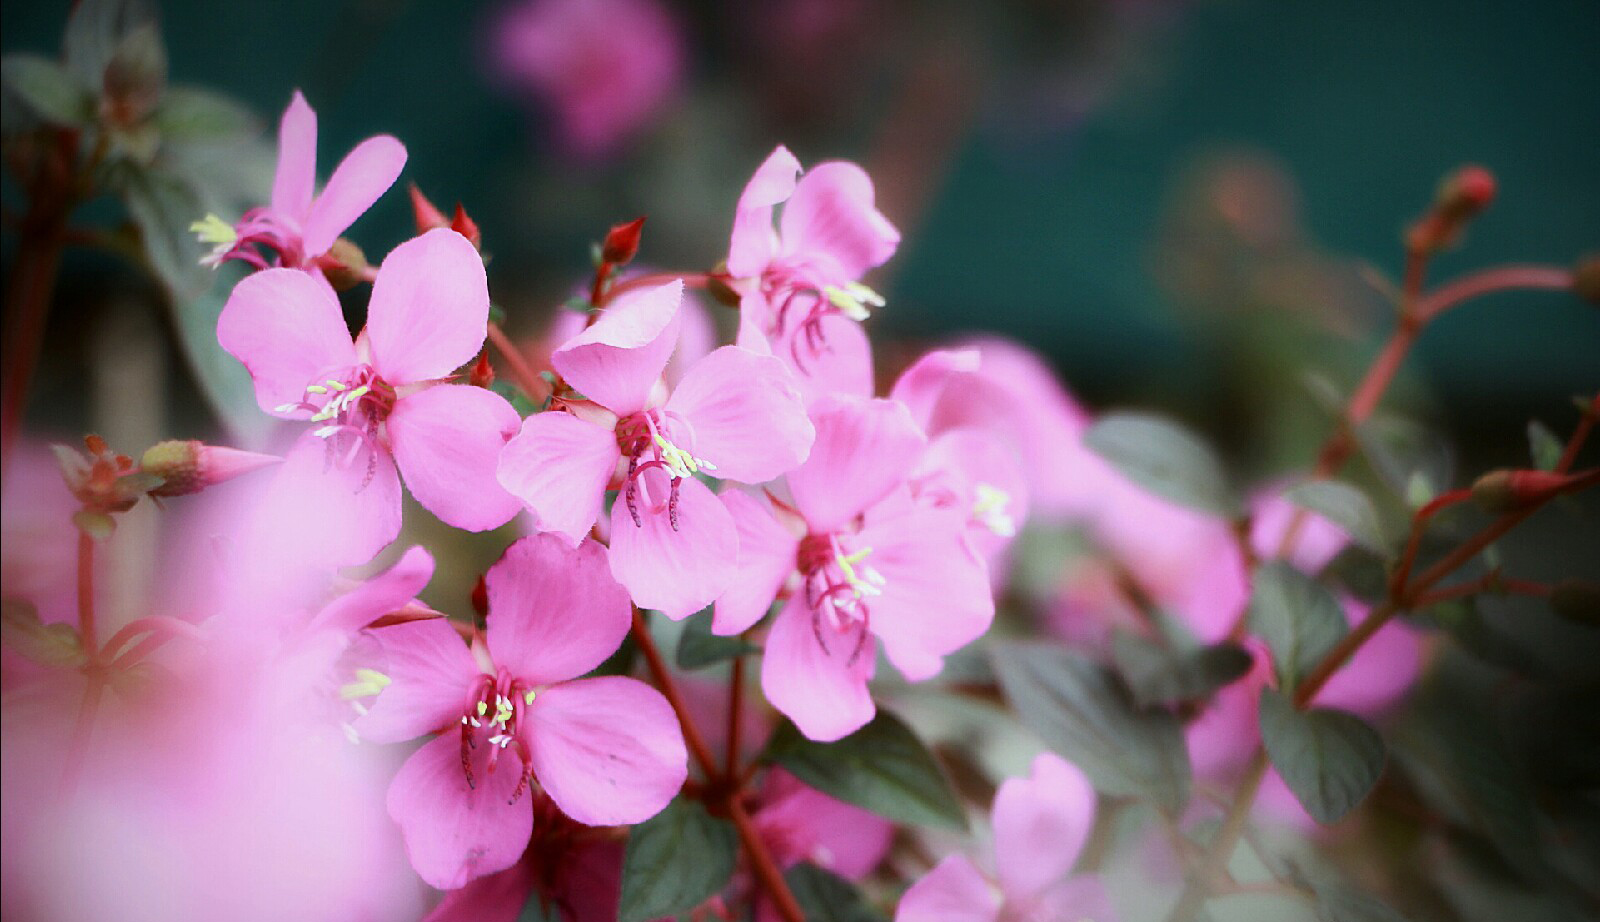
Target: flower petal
(953,891)
(447,440)
(936,596)
(676,571)
(864,449)
(831,214)
(920,386)
(378,595)
(1081,896)
(455,833)
(323,513)
(498,897)
(1040,825)
(360,179)
(559,466)
(608,750)
(555,612)
(288,329)
(766,558)
(743,414)
(822,689)
(295,180)
(616,361)
(429,311)
(754,242)
(430,672)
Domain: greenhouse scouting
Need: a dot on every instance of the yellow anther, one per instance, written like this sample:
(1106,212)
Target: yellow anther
(483,708)
(212,229)
(680,462)
(528,696)
(368,682)
(854,299)
(989,508)
(316,389)
(866,582)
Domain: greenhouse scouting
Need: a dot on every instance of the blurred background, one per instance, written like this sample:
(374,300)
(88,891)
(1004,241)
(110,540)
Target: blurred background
(1172,200)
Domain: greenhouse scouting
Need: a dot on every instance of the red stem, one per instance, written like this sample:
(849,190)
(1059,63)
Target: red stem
(521,372)
(1419,524)
(1569,456)
(690,280)
(669,689)
(735,717)
(761,863)
(1488,281)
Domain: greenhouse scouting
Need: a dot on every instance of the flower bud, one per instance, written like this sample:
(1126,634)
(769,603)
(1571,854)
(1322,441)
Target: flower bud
(426,214)
(189,466)
(1577,600)
(622,242)
(482,373)
(466,227)
(1586,278)
(1505,491)
(1462,196)
(344,266)
(480,598)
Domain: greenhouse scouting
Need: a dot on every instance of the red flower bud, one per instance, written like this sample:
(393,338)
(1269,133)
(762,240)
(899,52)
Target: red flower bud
(482,373)
(622,242)
(480,598)
(1462,196)
(427,215)
(1586,278)
(466,227)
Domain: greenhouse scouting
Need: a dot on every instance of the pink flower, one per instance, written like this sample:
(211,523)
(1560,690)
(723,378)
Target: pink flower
(299,225)
(867,562)
(1040,825)
(735,414)
(605,67)
(607,750)
(801,284)
(380,401)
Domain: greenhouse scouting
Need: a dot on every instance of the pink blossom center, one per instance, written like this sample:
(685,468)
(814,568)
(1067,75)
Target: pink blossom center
(351,403)
(494,710)
(837,585)
(805,291)
(661,441)
(264,238)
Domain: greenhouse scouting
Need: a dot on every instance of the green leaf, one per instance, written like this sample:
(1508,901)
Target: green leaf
(1082,712)
(47,89)
(1344,506)
(826,897)
(538,908)
(224,381)
(698,647)
(95,29)
(1328,758)
(136,75)
(1299,619)
(1358,572)
(187,114)
(1338,903)
(675,861)
(163,206)
(881,767)
(1544,446)
(1159,675)
(1165,459)
(55,645)
(1406,456)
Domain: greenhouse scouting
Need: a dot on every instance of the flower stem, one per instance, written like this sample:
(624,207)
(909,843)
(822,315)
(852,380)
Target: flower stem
(735,718)
(521,372)
(669,689)
(761,863)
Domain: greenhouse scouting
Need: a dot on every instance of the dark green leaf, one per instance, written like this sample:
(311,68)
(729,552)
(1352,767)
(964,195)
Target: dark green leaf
(698,647)
(1082,712)
(1329,759)
(1299,619)
(1338,903)
(881,767)
(675,861)
(163,207)
(46,644)
(187,114)
(1358,572)
(538,909)
(826,897)
(1402,452)
(1165,459)
(1344,506)
(47,89)
(1159,675)
(95,29)
(1544,446)
(223,380)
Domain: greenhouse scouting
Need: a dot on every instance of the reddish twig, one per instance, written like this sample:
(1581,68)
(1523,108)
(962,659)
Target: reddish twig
(735,717)
(521,372)
(761,864)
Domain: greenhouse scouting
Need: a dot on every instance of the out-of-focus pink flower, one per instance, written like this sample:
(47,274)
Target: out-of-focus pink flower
(300,225)
(232,739)
(379,401)
(870,563)
(801,293)
(799,823)
(604,68)
(735,414)
(607,750)
(1008,392)
(1040,825)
